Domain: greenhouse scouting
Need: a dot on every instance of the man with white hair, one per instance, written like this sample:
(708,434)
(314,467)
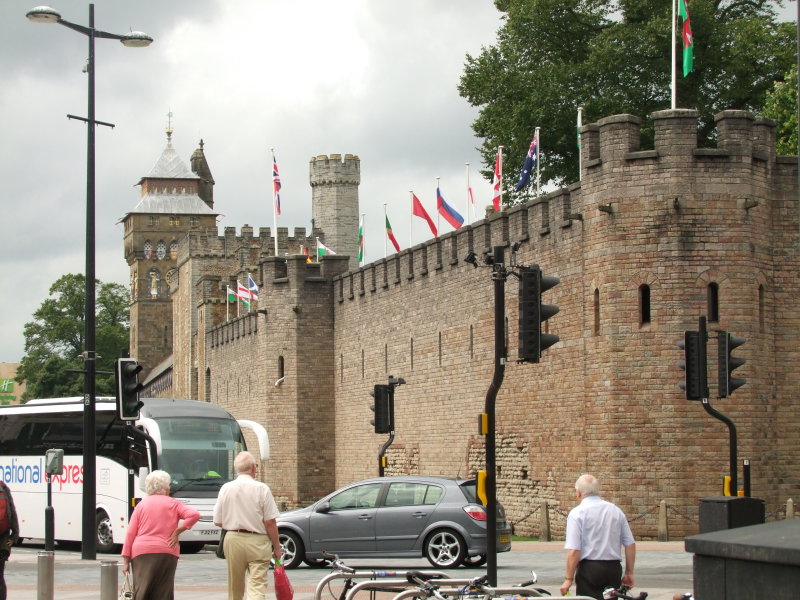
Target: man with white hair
(597,530)
(246,509)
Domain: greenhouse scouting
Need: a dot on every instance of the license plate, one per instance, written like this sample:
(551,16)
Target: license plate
(504,538)
(205,531)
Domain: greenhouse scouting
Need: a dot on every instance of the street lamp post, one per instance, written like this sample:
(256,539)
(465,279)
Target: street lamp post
(45,14)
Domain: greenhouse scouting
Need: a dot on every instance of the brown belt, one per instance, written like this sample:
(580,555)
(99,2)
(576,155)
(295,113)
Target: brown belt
(247,531)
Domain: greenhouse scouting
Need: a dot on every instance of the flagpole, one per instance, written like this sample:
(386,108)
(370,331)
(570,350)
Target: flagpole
(385,233)
(411,222)
(249,304)
(580,156)
(466,167)
(538,156)
(362,242)
(274,207)
(500,162)
(316,252)
(438,222)
(227,304)
(674,76)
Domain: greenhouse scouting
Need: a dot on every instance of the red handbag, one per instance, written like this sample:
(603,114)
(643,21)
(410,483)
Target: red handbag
(283,587)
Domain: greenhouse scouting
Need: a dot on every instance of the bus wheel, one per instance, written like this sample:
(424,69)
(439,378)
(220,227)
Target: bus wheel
(105,535)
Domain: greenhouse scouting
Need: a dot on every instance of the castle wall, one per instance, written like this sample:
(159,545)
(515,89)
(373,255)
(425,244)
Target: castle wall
(673,219)
(605,398)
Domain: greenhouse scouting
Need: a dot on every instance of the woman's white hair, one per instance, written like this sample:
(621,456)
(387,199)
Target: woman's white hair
(157,482)
(587,485)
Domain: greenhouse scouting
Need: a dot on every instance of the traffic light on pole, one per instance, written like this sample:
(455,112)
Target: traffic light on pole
(727,363)
(695,384)
(532,313)
(128,388)
(383,409)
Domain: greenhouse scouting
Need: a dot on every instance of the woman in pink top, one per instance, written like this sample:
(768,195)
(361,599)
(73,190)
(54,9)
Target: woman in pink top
(151,541)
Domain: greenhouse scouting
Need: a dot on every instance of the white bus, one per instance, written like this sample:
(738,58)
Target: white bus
(195,442)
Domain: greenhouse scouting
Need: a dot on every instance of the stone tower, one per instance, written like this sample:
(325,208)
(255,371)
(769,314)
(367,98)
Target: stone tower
(334,202)
(174,201)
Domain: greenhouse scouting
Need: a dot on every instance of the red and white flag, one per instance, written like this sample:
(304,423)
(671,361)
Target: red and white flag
(497,181)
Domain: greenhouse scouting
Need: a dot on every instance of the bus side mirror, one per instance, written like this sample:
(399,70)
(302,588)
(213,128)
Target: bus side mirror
(143,473)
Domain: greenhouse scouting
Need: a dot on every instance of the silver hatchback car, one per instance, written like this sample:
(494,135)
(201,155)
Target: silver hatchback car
(439,518)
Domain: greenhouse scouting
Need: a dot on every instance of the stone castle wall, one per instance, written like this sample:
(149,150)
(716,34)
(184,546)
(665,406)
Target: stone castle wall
(674,219)
(605,398)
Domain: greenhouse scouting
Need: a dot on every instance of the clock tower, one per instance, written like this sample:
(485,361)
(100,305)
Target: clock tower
(174,200)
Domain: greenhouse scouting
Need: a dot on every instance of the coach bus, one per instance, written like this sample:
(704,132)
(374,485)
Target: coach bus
(195,442)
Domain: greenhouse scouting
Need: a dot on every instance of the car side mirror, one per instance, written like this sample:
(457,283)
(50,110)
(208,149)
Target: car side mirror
(324,507)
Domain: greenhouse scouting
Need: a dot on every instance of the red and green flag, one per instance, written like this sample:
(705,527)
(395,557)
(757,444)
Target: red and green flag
(361,240)
(688,43)
(390,235)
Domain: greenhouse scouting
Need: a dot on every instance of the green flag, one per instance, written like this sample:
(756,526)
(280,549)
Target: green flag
(688,44)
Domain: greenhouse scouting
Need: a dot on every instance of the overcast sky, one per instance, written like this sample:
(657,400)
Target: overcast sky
(375,78)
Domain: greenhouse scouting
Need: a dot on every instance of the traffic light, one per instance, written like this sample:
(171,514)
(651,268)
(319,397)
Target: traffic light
(128,388)
(696,382)
(727,363)
(532,313)
(383,408)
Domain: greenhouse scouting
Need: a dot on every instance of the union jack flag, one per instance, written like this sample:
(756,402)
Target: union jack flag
(276,185)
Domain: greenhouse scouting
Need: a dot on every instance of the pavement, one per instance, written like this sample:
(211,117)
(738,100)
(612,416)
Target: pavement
(662,569)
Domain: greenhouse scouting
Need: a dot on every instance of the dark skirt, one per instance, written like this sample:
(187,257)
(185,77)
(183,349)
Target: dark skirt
(154,576)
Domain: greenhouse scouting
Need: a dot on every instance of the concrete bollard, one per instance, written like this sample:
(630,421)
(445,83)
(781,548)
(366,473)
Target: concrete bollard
(789,509)
(45,575)
(108,580)
(663,528)
(544,521)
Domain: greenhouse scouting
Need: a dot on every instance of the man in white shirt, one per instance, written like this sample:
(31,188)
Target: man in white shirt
(246,509)
(597,531)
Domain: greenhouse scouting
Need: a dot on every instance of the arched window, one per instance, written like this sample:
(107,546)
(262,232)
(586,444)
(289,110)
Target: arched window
(281,363)
(644,304)
(161,250)
(173,250)
(713,302)
(148,250)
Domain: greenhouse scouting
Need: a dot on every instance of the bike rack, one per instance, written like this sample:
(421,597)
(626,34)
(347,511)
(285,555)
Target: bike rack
(376,578)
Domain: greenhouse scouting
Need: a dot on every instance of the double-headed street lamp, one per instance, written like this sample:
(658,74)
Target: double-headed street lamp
(135,39)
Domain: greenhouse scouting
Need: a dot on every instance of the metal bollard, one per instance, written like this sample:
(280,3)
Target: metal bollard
(46,573)
(108,580)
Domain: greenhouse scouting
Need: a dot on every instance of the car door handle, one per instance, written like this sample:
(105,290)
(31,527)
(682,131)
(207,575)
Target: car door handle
(419,515)
(364,517)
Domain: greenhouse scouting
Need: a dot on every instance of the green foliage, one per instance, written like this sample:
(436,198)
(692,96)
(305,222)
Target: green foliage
(612,57)
(54,340)
(781,105)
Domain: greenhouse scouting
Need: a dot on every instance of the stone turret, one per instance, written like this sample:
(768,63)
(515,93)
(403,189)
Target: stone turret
(334,202)
(201,169)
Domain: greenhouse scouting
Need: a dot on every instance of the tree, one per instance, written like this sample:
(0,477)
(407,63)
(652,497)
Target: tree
(54,340)
(781,105)
(612,57)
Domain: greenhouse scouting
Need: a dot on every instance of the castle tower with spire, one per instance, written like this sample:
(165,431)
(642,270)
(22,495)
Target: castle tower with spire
(174,201)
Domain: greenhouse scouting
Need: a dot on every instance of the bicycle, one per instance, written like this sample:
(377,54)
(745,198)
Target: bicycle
(476,588)
(376,580)
(622,594)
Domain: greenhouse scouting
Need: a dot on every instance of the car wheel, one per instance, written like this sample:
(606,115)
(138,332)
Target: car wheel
(105,535)
(474,561)
(192,547)
(291,549)
(445,549)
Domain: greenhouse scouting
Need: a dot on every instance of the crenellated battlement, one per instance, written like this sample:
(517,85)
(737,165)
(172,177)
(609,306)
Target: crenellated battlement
(616,139)
(333,169)
(208,244)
